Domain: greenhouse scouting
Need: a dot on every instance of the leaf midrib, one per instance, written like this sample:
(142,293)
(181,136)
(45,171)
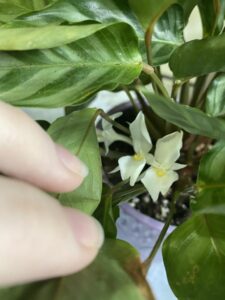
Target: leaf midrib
(80,65)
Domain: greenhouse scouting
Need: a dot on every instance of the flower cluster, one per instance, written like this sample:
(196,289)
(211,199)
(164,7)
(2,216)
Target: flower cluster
(161,174)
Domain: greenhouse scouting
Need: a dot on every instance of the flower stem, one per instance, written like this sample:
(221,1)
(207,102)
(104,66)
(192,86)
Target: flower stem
(147,263)
(150,71)
(114,123)
(131,99)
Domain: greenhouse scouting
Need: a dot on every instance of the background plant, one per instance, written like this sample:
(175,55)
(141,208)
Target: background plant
(61,53)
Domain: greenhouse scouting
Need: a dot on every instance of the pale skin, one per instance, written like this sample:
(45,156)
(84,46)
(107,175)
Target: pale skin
(38,237)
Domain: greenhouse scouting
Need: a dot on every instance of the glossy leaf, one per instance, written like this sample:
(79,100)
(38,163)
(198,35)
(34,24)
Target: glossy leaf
(71,73)
(71,11)
(28,38)
(194,254)
(77,133)
(195,58)
(194,257)
(215,99)
(148,11)
(188,118)
(168,34)
(116,274)
(212,14)
(211,182)
(10,9)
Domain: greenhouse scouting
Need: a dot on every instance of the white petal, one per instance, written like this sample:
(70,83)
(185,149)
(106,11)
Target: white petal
(177,166)
(141,140)
(130,168)
(168,149)
(156,184)
(151,183)
(106,125)
(167,181)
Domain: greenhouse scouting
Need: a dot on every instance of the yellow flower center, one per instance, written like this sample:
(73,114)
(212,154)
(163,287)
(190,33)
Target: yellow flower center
(160,172)
(138,156)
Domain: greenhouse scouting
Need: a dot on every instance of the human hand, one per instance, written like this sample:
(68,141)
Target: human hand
(38,237)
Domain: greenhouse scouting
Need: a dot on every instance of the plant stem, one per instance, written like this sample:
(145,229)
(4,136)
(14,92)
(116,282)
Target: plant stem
(131,99)
(175,89)
(114,123)
(147,263)
(184,94)
(150,71)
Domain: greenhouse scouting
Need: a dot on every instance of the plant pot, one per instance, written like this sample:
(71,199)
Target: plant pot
(142,231)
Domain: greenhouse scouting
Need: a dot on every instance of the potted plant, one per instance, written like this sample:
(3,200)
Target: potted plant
(65,52)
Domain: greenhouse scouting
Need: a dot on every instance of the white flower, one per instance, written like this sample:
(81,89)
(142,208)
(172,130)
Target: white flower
(161,175)
(108,135)
(131,166)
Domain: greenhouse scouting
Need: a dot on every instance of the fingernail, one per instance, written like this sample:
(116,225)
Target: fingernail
(87,230)
(71,162)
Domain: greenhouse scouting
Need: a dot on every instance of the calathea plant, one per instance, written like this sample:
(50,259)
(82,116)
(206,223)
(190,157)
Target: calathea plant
(60,53)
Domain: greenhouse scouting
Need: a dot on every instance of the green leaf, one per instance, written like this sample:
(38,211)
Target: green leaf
(148,11)
(28,38)
(194,257)
(194,254)
(188,6)
(168,34)
(10,9)
(211,182)
(195,58)
(116,274)
(215,99)
(71,73)
(106,214)
(77,133)
(212,14)
(69,12)
(188,118)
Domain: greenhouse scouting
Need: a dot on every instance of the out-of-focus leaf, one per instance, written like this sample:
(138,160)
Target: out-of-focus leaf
(167,35)
(195,58)
(10,9)
(72,73)
(212,14)
(194,254)
(148,11)
(105,213)
(191,119)
(77,133)
(215,100)
(211,182)
(28,38)
(116,274)
(188,6)
(194,257)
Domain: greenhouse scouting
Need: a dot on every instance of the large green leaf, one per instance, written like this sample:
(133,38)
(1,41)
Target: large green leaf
(211,182)
(212,14)
(194,254)
(194,257)
(188,118)
(28,38)
(215,100)
(167,35)
(195,58)
(148,11)
(77,133)
(116,274)
(10,9)
(71,73)
(72,11)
